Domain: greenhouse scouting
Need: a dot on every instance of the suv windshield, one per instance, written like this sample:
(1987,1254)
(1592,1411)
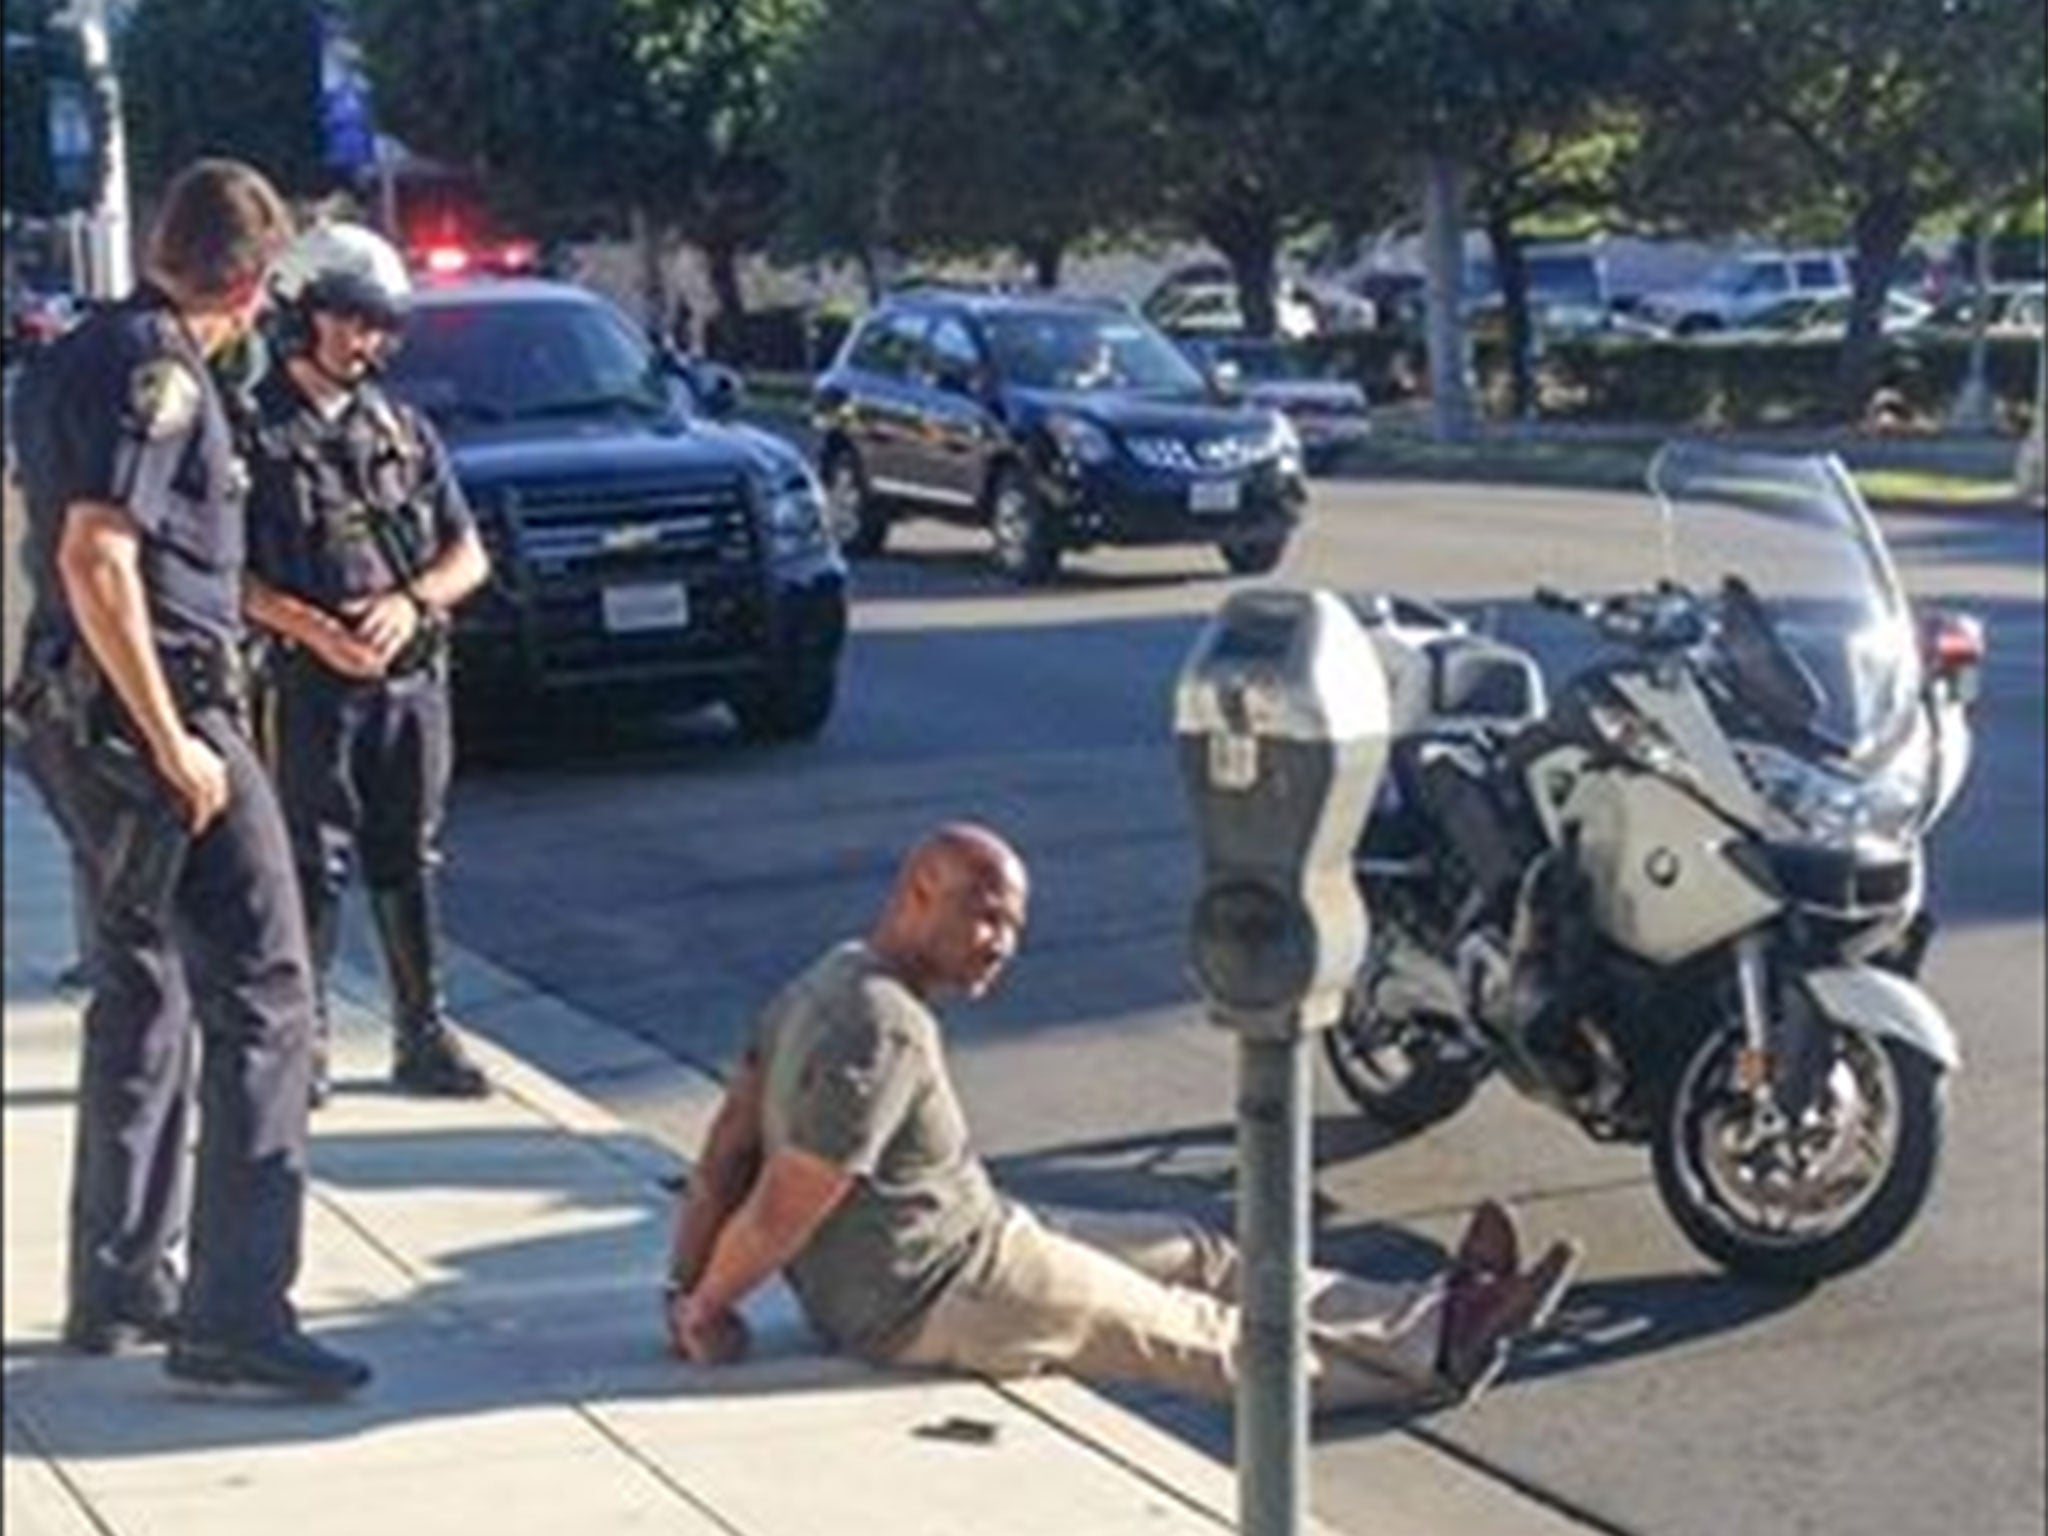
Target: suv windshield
(491,362)
(1075,350)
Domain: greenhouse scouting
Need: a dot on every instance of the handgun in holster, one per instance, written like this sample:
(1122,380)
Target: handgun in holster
(123,821)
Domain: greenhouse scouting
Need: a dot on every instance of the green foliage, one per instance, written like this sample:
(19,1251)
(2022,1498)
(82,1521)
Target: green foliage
(224,77)
(1766,384)
(547,100)
(959,128)
(1816,115)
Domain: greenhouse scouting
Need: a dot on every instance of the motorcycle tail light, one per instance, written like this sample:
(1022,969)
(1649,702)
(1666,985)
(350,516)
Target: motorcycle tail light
(1952,642)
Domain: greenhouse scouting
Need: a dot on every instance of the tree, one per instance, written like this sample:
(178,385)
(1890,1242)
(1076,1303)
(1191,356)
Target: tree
(961,128)
(652,113)
(1524,94)
(1241,142)
(1820,114)
(224,77)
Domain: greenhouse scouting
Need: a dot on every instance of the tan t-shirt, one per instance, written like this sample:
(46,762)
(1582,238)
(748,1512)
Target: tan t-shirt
(853,1073)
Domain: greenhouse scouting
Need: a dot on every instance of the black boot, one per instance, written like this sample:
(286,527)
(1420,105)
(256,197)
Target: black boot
(323,937)
(429,1058)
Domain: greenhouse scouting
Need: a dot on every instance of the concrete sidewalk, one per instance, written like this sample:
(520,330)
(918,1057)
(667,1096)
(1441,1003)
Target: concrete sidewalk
(498,1262)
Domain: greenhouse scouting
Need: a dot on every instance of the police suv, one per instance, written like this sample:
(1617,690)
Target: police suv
(644,546)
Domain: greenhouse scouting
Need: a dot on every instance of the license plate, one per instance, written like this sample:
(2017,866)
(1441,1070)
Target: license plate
(651,605)
(1215,496)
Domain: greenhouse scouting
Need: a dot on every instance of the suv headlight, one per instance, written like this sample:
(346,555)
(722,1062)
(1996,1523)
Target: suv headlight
(1285,444)
(1081,442)
(796,519)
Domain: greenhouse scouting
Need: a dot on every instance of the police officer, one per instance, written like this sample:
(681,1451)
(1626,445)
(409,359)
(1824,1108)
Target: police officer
(360,544)
(131,702)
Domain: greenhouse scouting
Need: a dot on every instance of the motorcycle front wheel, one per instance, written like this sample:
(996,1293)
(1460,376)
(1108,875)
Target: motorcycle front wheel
(1403,1074)
(1800,1195)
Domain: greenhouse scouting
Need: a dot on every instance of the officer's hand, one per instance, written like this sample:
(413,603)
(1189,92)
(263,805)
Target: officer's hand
(387,623)
(704,1337)
(342,650)
(197,776)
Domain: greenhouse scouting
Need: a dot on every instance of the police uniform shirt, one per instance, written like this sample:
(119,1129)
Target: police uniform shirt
(323,480)
(126,413)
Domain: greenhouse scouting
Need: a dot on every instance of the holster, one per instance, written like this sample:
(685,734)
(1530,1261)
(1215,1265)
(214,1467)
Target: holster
(124,823)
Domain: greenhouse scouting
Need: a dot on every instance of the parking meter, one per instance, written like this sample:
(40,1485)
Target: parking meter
(1282,721)
(1281,718)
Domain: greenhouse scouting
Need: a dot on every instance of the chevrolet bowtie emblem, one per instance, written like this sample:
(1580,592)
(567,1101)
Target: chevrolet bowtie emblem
(630,536)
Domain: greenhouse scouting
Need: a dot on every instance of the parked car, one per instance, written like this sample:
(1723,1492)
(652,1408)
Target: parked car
(2015,309)
(1328,414)
(1825,319)
(1217,308)
(1745,285)
(643,547)
(1057,424)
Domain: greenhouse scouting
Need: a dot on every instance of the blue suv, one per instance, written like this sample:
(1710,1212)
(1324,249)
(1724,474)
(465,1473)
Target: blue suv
(1059,424)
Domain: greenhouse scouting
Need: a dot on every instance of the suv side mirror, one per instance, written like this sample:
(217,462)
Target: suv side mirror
(719,390)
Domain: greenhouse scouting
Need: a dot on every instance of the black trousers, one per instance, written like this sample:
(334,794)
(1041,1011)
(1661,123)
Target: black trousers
(229,955)
(363,771)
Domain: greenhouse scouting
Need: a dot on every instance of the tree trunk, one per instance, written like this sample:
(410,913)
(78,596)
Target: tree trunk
(1450,367)
(722,266)
(1046,258)
(1513,271)
(1881,227)
(1252,247)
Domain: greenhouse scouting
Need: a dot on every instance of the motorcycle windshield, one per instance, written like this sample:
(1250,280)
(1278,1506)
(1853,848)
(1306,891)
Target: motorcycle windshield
(1812,636)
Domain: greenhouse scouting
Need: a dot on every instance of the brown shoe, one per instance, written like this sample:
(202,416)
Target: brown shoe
(1491,1248)
(1483,1318)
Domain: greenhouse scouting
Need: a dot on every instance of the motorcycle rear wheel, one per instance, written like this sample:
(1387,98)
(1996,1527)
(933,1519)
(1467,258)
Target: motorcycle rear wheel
(1787,1206)
(1398,1071)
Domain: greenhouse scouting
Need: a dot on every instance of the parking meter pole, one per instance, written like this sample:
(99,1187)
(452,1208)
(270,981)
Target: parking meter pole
(1282,718)
(1272,1232)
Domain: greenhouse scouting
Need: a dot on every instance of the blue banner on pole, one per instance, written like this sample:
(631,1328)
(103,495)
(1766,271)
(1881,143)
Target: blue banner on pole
(348,130)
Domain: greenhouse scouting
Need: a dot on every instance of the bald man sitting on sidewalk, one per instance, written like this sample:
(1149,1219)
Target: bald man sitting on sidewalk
(840,1156)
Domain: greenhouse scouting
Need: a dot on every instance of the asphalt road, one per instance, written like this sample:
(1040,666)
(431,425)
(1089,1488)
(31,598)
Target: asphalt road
(666,878)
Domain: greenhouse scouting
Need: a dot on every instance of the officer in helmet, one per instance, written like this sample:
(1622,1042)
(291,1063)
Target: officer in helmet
(360,545)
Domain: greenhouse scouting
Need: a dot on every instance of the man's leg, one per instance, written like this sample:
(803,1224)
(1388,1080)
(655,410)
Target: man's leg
(244,940)
(131,1176)
(404,765)
(314,722)
(1045,1300)
(130,1179)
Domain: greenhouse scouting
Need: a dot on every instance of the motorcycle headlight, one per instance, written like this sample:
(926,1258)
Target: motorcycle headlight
(1841,809)
(1080,442)
(796,519)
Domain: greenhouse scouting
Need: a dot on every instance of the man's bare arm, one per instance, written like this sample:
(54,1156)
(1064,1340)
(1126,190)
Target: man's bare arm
(99,562)
(453,574)
(306,624)
(790,1198)
(725,1171)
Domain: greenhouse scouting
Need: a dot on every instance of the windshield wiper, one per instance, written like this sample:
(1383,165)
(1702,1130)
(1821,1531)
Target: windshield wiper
(453,411)
(593,405)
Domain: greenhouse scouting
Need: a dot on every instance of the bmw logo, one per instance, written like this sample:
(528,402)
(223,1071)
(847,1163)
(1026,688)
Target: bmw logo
(1663,868)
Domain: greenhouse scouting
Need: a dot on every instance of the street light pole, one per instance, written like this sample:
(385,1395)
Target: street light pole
(112,268)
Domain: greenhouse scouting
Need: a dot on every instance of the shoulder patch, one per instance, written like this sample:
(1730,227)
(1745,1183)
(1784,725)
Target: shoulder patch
(163,397)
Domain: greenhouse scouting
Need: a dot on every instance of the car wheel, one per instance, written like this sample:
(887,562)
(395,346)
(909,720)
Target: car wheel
(858,521)
(791,704)
(1025,549)
(1254,559)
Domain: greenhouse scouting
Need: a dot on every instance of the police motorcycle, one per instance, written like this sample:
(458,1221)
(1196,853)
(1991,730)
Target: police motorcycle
(1682,904)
